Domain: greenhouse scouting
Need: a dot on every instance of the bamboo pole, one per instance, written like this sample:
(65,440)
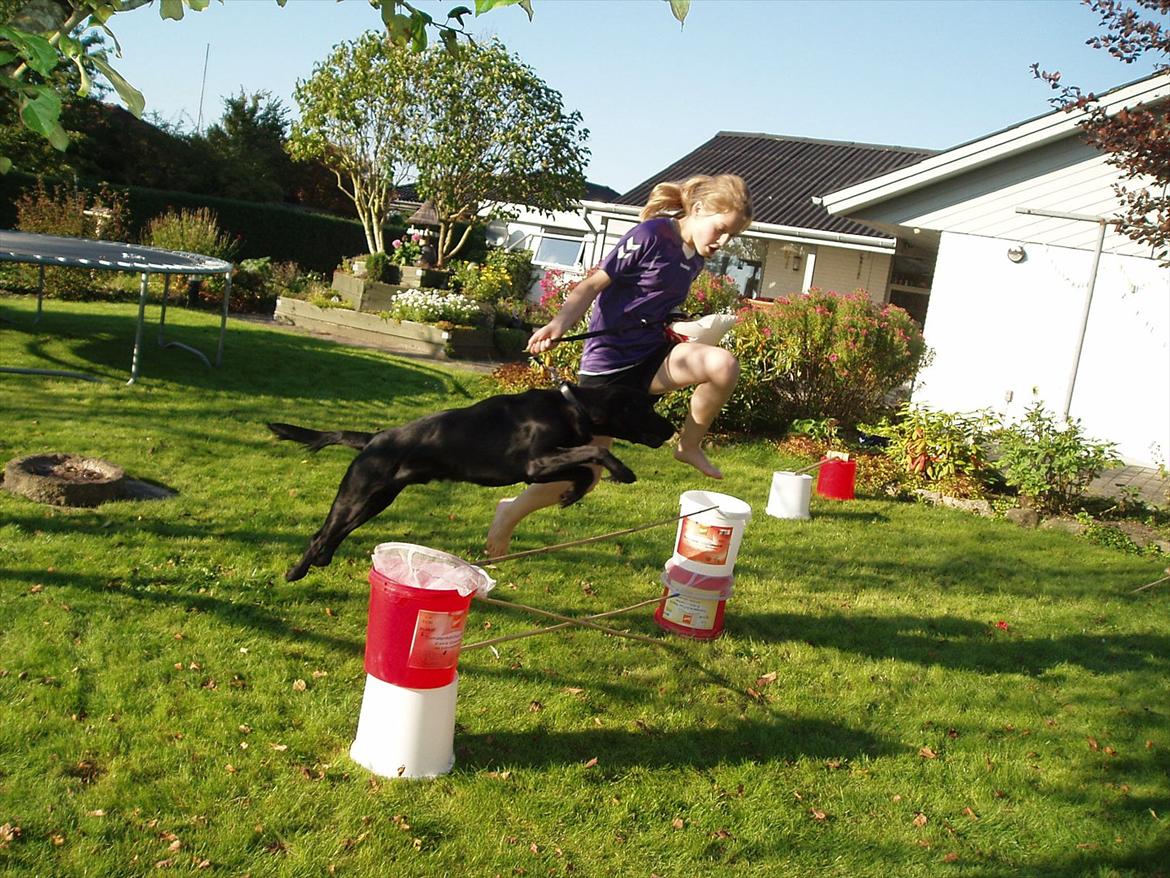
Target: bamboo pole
(569,620)
(520,635)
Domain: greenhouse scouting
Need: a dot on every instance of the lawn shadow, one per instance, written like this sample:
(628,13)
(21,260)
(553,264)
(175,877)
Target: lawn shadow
(962,644)
(776,739)
(255,359)
(174,593)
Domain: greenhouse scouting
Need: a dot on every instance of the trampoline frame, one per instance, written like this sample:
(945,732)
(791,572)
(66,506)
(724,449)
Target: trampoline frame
(123,257)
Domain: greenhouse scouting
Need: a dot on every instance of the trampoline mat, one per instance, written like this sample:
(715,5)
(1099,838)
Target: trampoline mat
(84,253)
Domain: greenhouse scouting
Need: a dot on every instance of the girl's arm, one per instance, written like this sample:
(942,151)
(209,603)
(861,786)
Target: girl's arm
(574,308)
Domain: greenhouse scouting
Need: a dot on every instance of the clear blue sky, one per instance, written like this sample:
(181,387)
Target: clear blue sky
(922,73)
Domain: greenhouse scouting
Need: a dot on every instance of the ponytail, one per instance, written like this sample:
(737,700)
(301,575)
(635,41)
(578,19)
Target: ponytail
(725,193)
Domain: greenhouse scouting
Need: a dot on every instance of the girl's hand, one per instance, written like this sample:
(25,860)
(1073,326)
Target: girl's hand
(544,338)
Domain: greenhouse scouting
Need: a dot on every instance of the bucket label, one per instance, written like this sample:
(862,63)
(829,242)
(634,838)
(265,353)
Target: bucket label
(704,543)
(437,640)
(690,612)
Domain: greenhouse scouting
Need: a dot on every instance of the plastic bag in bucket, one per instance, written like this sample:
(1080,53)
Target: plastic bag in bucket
(419,599)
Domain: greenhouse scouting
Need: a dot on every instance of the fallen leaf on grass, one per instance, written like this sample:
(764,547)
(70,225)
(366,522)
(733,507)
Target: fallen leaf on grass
(57,838)
(818,814)
(279,747)
(766,679)
(677,823)
(950,857)
(299,686)
(927,753)
(1093,745)
(919,819)
(721,833)
(590,763)
(97,812)
(970,813)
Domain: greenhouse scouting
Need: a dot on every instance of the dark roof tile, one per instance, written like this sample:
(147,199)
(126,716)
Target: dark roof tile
(784,173)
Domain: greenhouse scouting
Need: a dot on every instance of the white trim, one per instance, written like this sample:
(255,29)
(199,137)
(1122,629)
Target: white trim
(976,153)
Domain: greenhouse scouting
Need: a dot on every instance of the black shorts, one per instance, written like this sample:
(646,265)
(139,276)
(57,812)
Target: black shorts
(639,376)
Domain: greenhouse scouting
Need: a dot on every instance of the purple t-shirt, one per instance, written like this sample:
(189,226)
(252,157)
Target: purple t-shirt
(650,276)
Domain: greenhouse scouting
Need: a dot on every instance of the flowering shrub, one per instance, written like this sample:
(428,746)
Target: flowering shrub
(406,251)
(935,446)
(434,306)
(820,355)
(502,276)
(712,294)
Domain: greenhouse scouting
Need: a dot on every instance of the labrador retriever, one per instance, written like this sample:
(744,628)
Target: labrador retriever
(535,436)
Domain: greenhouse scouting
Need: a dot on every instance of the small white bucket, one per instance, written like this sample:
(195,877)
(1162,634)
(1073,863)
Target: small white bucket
(790,495)
(708,542)
(408,733)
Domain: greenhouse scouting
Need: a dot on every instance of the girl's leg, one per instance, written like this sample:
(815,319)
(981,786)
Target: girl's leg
(510,511)
(713,372)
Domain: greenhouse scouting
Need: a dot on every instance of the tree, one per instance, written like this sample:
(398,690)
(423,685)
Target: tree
(1135,140)
(248,147)
(495,135)
(356,111)
(39,36)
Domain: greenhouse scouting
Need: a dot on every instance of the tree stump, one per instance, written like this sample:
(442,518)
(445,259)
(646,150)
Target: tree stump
(62,479)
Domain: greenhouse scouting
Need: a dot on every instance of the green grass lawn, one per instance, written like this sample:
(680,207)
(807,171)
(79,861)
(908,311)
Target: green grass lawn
(864,714)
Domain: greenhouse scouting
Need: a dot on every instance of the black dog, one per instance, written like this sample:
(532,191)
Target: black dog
(536,436)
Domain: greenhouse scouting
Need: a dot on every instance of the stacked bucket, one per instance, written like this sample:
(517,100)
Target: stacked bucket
(698,579)
(419,600)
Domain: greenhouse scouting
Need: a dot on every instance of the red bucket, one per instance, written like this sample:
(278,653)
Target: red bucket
(835,480)
(414,635)
(692,604)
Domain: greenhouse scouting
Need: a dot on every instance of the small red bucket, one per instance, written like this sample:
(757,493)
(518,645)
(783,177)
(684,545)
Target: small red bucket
(414,635)
(835,479)
(692,604)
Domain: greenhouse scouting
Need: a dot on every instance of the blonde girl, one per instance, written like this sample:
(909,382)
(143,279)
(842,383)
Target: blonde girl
(642,280)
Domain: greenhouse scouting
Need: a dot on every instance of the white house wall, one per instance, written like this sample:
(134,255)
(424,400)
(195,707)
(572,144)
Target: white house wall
(1000,329)
(1066,176)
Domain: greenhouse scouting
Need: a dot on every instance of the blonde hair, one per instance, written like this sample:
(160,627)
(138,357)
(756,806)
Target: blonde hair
(724,193)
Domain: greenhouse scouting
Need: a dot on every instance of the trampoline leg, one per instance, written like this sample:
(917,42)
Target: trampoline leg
(227,298)
(162,317)
(134,363)
(40,294)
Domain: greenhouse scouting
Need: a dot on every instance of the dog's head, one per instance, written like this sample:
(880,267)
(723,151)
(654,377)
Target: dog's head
(624,413)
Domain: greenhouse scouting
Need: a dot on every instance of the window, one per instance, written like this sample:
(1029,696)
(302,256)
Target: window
(559,250)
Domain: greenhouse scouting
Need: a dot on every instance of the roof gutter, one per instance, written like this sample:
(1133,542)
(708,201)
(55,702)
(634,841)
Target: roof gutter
(767,231)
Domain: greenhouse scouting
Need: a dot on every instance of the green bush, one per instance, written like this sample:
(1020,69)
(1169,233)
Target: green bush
(191,231)
(820,355)
(502,277)
(1051,464)
(934,446)
(69,211)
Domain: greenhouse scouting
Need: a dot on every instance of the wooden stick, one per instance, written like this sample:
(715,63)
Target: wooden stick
(582,542)
(1151,584)
(519,635)
(570,620)
(811,466)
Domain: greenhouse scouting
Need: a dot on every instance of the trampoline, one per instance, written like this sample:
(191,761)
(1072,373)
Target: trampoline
(52,250)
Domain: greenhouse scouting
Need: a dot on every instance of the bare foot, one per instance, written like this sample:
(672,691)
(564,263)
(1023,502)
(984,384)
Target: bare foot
(499,535)
(696,458)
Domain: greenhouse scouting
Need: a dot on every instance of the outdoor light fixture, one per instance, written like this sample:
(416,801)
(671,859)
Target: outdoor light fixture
(1016,253)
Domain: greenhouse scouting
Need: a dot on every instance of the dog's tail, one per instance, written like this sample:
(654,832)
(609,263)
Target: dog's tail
(315,440)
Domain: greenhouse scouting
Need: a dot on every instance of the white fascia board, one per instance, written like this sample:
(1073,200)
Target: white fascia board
(993,148)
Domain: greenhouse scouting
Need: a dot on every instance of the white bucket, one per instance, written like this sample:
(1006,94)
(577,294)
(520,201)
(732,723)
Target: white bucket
(406,733)
(708,542)
(789,495)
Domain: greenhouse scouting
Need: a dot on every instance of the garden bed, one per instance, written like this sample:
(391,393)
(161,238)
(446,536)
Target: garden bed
(397,335)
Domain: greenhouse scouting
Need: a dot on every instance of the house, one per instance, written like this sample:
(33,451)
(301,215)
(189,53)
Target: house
(1034,295)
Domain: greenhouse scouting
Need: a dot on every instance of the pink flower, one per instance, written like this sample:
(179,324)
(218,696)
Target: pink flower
(832,358)
(416,237)
(767,332)
(1003,626)
(396,243)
